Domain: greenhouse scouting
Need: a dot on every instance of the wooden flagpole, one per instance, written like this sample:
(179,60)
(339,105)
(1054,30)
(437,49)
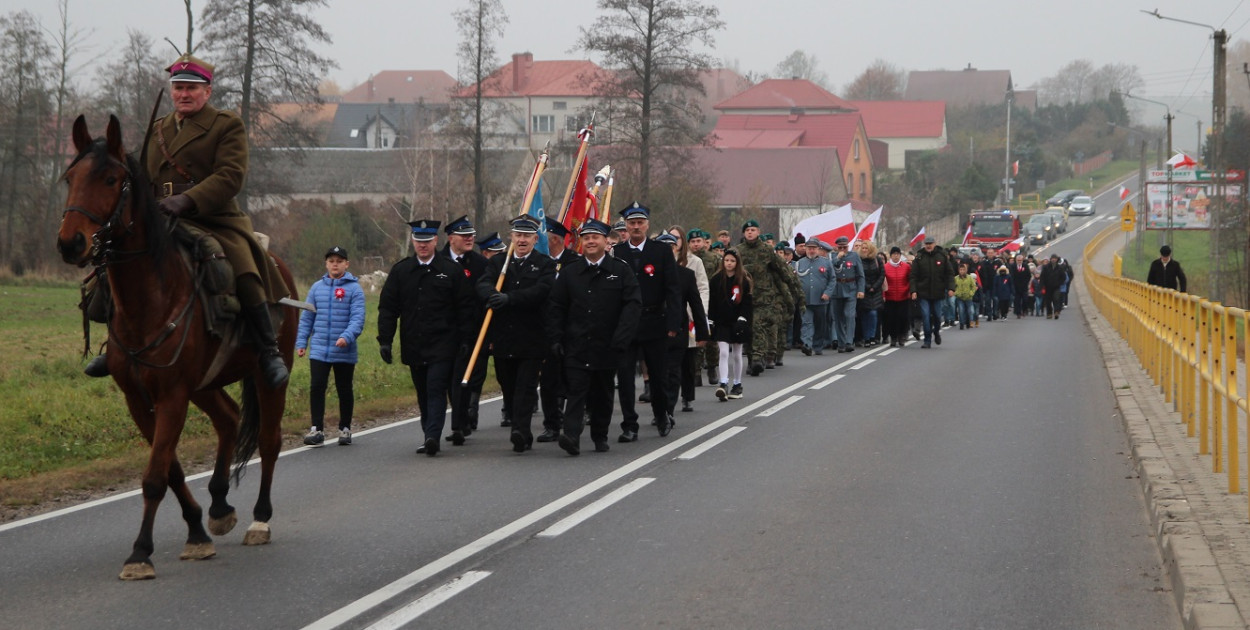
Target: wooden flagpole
(585,135)
(528,199)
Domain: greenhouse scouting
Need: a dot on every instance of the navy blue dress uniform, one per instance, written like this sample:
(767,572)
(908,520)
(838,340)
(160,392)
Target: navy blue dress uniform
(491,243)
(551,394)
(592,319)
(660,289)
(465,398)
(516,332)
(691,310)
(432,302)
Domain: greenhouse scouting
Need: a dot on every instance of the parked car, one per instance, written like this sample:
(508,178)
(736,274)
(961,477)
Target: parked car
(1060,220)
(1064,197)
(1043,222)
(1034,234)
(1082,205)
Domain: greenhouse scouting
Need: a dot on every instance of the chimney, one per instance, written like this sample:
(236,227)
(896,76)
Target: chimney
(521,63)
(370,97)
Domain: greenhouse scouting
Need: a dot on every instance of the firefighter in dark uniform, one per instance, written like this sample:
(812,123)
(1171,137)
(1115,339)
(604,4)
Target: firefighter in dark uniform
(197,161)
(656,269)
(491,245)
(516,332)
(465,398)
(551,394)
(432,301)
(592,319)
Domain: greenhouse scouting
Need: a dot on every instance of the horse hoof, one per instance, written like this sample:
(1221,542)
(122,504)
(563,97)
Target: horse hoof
(197,551)
(133,571)
(257,534)
(222,526)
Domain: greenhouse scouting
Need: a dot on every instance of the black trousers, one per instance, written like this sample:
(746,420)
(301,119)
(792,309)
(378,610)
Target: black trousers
(1054,302)
(432,380)
(653,354)
(674,379)
(551,395)
(460,397)
(896,318)
(588,391)
(518,378)
(320,380)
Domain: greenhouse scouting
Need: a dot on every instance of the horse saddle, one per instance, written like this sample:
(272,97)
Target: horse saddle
(214,276)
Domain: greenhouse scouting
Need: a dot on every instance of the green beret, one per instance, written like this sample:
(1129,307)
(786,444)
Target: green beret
(768,236)
(751,223)
(718,245)
(695,233)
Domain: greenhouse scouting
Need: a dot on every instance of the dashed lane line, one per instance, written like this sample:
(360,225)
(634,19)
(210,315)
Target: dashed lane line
(410,612)
(779,406)
(708,445)
(576,518)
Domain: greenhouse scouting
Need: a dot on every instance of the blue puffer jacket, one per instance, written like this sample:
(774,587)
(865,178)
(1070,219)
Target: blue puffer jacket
(340,313)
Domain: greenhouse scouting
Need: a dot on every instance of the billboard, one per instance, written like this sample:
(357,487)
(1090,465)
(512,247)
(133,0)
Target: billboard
(1191,193)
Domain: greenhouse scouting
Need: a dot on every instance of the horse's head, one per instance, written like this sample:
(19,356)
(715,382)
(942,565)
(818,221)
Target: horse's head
(99,188)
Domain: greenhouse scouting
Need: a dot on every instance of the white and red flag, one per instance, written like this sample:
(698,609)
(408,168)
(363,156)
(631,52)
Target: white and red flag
(868,229)
(1123,192)
(827,226)
(1180,161)
(917,239)
(1015,167)
(1013,246)
(967,235)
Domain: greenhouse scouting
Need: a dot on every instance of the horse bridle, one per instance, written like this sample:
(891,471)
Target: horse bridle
(102,253)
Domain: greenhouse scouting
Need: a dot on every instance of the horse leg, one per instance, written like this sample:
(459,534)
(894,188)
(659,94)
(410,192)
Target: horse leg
(199,546)
(272,404)
(224,413)
(164,433)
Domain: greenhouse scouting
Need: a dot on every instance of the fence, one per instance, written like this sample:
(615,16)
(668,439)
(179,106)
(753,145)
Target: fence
(1092,164)
(1189,345)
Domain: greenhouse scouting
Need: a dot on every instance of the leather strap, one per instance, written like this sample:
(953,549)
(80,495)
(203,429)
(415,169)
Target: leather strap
(160,140)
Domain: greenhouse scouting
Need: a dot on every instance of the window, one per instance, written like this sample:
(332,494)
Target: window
(559,105)
(355,133)
(543,124)
(574,124)
(857,151)
(863,186)
(850,184)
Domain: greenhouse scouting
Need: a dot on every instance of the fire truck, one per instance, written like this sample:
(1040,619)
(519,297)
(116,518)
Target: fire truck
(993,229)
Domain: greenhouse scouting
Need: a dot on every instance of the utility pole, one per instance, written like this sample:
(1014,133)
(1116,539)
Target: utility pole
(1216,214)
(1007,156)
(1142,208)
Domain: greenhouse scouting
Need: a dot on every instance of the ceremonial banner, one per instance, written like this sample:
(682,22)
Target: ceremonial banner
(827,226)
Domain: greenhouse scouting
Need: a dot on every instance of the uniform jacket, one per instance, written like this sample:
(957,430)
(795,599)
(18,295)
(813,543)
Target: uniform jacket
(731,309)
(340,314)
(816,278)
(474,265)
(660,288)
(931,275)
(771,275)
(433,305)
(565,258)
(897,281)
(874,279)
(212,149)
(693,315)
(516,330)
(593,312)
(711,262)
(848,275)
(1169,276)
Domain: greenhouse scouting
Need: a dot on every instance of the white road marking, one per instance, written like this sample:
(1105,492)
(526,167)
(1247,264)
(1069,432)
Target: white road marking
(864,364)
(364,604)
(888,352)
(576,518)
(829,381)
(708,445)
(779,406)
(427,603)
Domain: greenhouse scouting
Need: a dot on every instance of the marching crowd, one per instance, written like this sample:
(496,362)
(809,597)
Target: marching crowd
(673,306)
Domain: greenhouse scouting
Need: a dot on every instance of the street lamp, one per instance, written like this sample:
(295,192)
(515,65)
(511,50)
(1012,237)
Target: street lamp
(1216,143)
(1143,208)
(1167,117)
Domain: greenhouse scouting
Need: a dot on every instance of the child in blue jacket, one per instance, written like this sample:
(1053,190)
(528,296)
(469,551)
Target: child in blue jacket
(329,338)
(1004,291)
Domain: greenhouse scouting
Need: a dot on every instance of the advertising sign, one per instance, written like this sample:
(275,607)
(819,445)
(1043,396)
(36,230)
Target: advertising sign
(1191,194)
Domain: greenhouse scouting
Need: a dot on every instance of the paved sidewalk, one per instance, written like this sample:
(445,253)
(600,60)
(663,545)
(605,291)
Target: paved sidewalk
(1202,531)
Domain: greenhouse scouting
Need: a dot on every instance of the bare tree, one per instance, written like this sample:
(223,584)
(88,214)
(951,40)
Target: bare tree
(264,57)
(1070,85)
(479,24)
(650,46)
(131,84)
(1117,77)
(802,65)
(880,81)
(26,61)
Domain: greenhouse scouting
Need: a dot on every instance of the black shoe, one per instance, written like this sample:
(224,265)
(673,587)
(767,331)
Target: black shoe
(722,392)
(915,334)
(711,376)
(736,392)
(645,396)
(685,406)
(456,438)
(757,368)
(507,420)
(520,443)
(548,436)
(769,365)
(569,445)
(627,436)
(937,337)
(430,448)
(97,367)
(665,425)
(778,363)
(601,446)
(807,350)
(273,370)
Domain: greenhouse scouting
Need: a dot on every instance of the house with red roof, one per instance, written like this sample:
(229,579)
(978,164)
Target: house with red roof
(540,101)
(432,87)
(904,126)
(969,87)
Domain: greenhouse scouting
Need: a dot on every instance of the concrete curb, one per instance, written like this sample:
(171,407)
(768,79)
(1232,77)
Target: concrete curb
(1199,587)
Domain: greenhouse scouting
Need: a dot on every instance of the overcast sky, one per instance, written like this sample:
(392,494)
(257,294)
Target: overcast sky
(1032,39)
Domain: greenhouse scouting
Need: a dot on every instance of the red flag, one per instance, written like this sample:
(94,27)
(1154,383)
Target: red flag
(917,239)
(1180,161)
(1123,193)
(868,229)
(967,235)
(1015,167)
(575,214)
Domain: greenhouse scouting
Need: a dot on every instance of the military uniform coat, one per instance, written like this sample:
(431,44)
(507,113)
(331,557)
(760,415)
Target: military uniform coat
(660,288)
(474,265)
(434,306)
(211,148)
(516,330)
(816,278)
(593,313)
(848,275)
(565,259)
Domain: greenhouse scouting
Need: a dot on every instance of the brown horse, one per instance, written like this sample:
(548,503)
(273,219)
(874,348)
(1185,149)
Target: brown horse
(159,350)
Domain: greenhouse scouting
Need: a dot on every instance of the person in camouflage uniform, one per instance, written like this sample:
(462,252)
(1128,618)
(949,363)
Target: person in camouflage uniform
(698,240)
(773,280)
(786,303)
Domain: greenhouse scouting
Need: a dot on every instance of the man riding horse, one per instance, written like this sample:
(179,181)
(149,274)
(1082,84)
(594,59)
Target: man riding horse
(197,161)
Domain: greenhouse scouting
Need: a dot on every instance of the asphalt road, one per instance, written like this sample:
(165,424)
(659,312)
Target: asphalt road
(982,484)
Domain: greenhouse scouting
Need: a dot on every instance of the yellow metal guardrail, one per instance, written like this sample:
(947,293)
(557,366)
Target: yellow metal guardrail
(1188,344)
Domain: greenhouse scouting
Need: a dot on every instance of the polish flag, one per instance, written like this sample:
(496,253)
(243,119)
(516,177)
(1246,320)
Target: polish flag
(1015,167)
(1013,246)
(967,235)
(1123,193)
(919,238)
(868,229)
(828,226)
(1180,160)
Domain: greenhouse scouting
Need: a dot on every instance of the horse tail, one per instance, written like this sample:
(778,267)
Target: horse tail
(249,429)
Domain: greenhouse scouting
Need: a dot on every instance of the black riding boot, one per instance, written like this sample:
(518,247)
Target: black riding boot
(271,365)
(97,367)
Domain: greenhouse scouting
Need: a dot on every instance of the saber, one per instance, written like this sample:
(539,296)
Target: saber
(286,301)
